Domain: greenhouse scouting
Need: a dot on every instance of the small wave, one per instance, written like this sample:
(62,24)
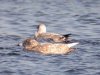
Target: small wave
(6,72)
(13,54)
(10,54)
(10,37)
(76,71)
(89,42)
(90,18)
(2,54)
(8,48)
(1,47)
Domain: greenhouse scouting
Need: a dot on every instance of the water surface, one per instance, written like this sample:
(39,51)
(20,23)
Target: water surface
(18,20)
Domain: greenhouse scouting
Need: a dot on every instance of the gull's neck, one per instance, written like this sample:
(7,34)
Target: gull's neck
(41,28)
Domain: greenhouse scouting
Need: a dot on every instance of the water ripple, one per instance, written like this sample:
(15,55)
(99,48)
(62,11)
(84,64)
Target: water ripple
(18,20)
(90,18)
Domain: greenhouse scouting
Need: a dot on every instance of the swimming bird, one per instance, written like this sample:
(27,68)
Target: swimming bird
(41,33)
(47,48)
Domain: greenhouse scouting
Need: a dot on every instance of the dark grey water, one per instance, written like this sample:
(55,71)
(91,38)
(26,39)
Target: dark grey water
(18,20)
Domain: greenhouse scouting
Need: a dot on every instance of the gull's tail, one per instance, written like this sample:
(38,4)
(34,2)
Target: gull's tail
(67,35)
(72,44)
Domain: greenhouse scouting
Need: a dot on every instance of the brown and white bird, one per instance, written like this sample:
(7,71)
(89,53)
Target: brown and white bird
(47,48)
(41,33)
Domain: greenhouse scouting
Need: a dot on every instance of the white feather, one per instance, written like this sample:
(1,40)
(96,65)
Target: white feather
(72,44)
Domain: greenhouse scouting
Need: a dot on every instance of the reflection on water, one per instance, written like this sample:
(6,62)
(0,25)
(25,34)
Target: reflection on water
(18,20)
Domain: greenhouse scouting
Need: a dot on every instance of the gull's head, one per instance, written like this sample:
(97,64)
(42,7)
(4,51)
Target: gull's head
(30,43)
(41,28)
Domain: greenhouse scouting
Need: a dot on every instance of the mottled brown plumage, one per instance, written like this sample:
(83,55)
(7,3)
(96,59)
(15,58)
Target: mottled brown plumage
(46,48)
(41,33)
